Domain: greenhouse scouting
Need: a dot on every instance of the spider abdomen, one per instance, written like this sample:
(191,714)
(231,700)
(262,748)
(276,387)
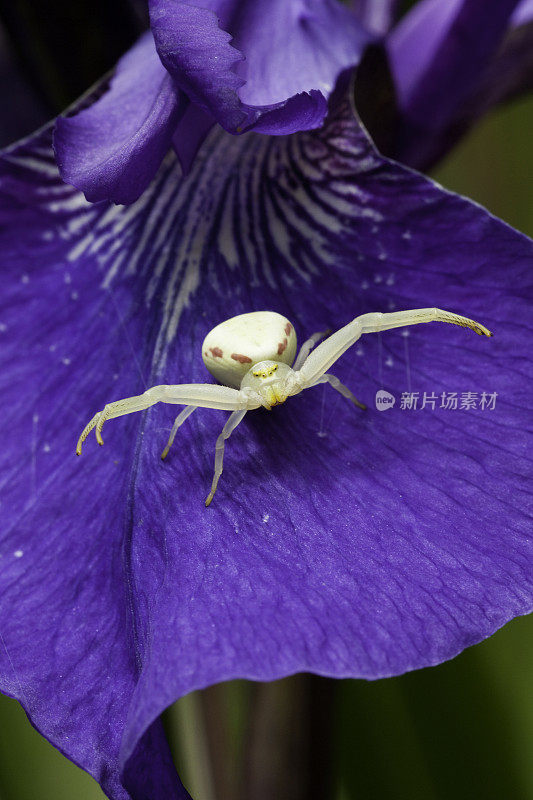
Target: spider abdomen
(235,345)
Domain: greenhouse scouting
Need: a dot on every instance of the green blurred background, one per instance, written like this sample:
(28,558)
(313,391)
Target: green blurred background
(460,731)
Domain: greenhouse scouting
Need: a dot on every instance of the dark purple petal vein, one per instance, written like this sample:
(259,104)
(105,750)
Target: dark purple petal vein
(341,542)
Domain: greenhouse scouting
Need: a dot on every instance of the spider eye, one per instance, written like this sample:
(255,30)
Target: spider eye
(256,373)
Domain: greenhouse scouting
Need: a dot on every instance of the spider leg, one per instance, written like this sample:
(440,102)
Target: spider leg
(371,323)
(340,387)
(227,430)
(308,346)
(180,419)
(321,359)
(116,409)
(204,395)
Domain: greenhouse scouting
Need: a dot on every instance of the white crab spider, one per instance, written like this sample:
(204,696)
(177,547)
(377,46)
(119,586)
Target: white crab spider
(252,355)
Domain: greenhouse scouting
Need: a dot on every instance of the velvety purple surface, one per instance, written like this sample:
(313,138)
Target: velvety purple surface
(66,627)
(342,542)
(439,52)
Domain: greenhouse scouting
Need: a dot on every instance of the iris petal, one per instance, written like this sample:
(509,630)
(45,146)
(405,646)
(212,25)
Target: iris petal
(523,13)
(342,542)
(438,53)
(509,74)
(67,641)
(190,133)
(243,61)
(377,17)
(112,149)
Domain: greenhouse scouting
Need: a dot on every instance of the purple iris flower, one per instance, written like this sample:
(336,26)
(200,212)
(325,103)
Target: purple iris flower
(342,543)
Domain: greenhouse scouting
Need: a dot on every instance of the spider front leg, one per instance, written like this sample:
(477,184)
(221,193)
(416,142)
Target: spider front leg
(205,395)
(321,359)
(227,430)
(117,409)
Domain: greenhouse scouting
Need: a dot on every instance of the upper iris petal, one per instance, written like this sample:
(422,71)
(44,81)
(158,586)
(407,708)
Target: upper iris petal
(240,61)
(253,65)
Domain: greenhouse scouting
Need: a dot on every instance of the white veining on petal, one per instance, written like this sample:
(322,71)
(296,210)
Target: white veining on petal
(266,205)
(79,248)
(74,202)
(42,167)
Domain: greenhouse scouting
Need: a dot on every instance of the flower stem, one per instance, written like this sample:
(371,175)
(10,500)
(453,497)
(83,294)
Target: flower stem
(288,747)
(186,733)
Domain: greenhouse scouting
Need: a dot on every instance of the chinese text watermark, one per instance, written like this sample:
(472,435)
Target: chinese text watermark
(450,401)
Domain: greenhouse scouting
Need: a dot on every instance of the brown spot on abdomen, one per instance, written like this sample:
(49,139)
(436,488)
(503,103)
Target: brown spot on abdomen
(282,346)
(216,352)
(241,359)
(288,328)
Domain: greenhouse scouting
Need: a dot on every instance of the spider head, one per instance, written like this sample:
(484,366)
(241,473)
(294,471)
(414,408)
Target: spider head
(268,379)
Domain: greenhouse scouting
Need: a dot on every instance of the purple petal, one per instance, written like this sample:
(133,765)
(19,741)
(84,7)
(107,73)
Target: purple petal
(523,13)
(509,74)
(342,542)
(438,54)
(67,630)
(267,66)
(378,17)
(190,133)
(112,150)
